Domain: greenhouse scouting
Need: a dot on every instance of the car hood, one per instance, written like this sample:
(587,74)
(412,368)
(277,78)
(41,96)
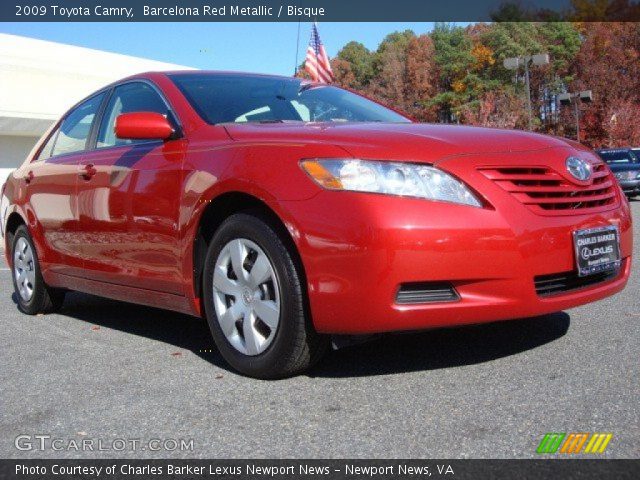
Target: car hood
(400,141)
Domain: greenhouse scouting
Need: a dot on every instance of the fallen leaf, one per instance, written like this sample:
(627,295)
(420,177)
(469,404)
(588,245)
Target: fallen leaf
(176,354)
(83,434)
(219,376)
(95,327)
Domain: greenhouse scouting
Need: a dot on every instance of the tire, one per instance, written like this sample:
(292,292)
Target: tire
(34,296)
(281,345)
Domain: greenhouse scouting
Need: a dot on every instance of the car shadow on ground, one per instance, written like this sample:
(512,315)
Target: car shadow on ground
(385,354)
(443,348)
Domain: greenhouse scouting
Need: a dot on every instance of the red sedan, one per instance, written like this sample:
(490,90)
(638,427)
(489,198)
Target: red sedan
(284,211)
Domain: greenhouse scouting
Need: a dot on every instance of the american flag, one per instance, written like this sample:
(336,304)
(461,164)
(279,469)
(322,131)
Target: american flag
(317,61)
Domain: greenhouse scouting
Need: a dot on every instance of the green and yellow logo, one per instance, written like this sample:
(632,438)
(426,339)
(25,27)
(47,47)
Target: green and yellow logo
(574,443)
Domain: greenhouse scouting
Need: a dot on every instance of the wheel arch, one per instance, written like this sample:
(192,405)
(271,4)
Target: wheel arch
(225,205)
(14,221)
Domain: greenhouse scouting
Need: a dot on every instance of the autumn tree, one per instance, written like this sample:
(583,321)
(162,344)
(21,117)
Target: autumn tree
(455,64)
(421,78)
(604,10)
(456,74)
(498,109)
(388,85)
(360,61)
(608,64)
(560,40)
(343,73)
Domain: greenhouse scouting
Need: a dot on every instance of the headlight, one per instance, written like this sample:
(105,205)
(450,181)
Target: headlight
(391,178)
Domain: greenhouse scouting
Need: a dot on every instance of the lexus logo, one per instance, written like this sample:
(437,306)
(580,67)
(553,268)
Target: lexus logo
(586,252)
(580,169)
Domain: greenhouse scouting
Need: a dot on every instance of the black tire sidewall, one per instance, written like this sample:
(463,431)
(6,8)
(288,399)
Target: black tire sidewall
(269,363)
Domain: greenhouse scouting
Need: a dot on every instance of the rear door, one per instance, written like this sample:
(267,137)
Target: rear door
(129,198)
(51,187)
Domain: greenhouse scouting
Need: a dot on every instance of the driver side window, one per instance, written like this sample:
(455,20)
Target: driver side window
(127,98)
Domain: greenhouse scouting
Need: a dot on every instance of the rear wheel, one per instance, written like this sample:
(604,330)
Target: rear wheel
(255,302)
(32,294)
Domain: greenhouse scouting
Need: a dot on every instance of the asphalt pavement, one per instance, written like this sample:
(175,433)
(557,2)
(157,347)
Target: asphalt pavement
(113,373)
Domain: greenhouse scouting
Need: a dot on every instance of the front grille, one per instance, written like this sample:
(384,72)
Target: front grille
(426,292)
(557,283)
(546,192)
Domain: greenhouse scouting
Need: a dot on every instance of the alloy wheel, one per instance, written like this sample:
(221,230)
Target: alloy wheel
(24,269)
(246,296)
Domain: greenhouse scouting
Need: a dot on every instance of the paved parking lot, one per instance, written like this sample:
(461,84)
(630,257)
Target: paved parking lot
(105,370)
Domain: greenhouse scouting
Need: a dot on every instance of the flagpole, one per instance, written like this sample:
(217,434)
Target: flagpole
(295,66)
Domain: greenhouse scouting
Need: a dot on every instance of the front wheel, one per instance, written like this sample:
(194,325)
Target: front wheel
(33,295)
(255,302)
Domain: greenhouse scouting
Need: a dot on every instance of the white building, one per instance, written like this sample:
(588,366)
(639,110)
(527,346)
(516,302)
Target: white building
(40,80)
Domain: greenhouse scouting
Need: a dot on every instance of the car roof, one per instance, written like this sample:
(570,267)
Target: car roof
(223,73)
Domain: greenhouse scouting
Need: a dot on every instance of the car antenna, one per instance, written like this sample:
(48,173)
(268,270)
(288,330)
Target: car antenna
(295,64)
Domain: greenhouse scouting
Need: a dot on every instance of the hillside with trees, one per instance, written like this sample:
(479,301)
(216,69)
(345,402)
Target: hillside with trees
(455,74)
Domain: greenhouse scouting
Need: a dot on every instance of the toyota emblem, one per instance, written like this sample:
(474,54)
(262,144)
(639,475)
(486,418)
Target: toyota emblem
(578,168)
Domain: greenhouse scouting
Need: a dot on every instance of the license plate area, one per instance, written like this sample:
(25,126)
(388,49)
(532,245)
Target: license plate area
(597,250)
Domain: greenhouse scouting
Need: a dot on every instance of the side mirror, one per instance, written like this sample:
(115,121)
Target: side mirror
(143,125)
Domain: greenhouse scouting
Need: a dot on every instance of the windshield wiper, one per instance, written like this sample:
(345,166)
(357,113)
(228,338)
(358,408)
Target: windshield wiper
(307,86)
(278,120)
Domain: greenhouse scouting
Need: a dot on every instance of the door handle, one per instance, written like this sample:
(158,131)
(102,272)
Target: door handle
(29,177)
(88,171)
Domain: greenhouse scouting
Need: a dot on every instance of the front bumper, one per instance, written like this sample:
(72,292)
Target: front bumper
(357,249)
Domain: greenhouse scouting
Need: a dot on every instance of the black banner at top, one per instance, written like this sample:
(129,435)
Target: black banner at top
(319,10)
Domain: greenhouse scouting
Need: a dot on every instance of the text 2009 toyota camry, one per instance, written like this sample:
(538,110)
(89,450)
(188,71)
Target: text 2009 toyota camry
(284,211)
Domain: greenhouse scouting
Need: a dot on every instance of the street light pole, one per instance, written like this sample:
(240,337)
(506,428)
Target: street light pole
(514,63)
(527,82)
(577,114)
(568,98)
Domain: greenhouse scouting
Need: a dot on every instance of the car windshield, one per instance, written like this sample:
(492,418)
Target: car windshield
(222,98)
(618,156)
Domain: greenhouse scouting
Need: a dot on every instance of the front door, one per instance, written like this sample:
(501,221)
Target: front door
(128,200)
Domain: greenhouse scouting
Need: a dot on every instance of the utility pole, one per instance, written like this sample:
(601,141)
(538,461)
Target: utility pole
(514,63)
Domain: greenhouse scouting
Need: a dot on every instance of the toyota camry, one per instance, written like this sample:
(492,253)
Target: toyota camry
(285,211)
